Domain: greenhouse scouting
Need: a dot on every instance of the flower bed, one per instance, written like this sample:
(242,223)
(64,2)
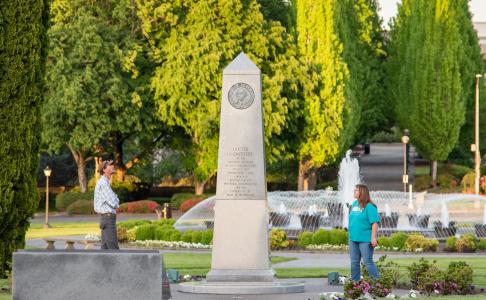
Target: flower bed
(168,244)
(138,207)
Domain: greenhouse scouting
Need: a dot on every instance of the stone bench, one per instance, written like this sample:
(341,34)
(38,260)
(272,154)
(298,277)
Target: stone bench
(86,275)
(88,244)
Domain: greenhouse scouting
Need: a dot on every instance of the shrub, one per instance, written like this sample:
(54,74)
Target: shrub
(468,182)
(177,199)
(429,279)
(187,236)
(196,237)
(383,241)
(423,182)
(63,200)
(175,236)
(132,223)
(320,237)
(207,237)
(417,242)
(450,244)
(163,233)
(81,207)
(385,137)
(447,182)
(163,222)
(389,272)
(398,240)
(458,171)
(466,243)
(122,234)
(278,239)
(461,274)
(145,232)
(138,207)
(433,281)
(189,203)
(338,237)
(416,269)
(482,244)
(305,239)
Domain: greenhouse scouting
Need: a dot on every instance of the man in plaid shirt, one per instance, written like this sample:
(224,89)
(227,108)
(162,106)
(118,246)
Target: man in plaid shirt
(105,203)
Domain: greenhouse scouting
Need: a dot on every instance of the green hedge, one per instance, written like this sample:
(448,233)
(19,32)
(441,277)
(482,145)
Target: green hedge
(63,200)
(23,45)
(304,239)
(322,236)
(398,240)
(132,223)
(81,207)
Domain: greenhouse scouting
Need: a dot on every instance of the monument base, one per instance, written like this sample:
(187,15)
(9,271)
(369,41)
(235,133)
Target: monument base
(241,288)
(230,275)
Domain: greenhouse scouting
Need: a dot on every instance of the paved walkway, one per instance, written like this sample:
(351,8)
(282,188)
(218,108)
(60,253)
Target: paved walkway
(382,169)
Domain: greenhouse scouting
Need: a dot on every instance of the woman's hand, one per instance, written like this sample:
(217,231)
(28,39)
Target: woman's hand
(374,229)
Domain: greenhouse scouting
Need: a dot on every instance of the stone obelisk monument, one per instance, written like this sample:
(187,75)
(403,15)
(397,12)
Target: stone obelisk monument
(240,259)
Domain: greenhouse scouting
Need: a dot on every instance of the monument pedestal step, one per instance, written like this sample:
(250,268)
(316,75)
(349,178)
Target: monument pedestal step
(241,288)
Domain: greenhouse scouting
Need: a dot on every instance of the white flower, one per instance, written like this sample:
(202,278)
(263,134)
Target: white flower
(413,293)
(390,296)
(92,237)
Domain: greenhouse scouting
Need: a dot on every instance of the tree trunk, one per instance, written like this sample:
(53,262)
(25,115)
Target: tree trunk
(97,166)
(433,169)
(199,187)
(307,177)
(83,180)
(121,169)
(81,164)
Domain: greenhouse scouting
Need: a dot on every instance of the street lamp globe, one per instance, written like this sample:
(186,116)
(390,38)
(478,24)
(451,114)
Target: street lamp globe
(405,139)
(47,171)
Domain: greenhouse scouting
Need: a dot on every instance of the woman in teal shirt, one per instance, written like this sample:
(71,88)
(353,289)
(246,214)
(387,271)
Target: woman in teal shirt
(363,227)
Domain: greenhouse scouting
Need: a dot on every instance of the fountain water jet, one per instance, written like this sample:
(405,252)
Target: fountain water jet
(349,177)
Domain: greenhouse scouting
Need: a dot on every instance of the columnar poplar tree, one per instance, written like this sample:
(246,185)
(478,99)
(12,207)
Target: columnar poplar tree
(373,115)
(192,42)
(471,63)
(23,27)
(97,83)
(425,76)
(327,40)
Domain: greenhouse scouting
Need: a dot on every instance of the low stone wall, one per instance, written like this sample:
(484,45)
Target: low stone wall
(97,274)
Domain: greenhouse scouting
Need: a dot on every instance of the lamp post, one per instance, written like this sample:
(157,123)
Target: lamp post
(47,172)
(475,146)
(405,140)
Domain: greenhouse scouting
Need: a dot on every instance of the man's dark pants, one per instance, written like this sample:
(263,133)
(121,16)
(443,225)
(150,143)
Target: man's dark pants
(109,239)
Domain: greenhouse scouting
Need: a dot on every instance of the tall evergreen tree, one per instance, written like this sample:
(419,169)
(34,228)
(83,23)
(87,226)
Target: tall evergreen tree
(192,42)
(425,75)
(372,55)
(23,26)
(328,43)
(97,84)
(471,63)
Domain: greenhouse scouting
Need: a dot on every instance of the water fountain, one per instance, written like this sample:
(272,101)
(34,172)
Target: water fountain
(295,212)
(349,177)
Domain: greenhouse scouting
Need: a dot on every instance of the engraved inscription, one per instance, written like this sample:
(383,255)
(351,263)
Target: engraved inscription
(241,96)
(240,173)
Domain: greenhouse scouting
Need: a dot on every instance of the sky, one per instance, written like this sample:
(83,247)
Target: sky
(389,9)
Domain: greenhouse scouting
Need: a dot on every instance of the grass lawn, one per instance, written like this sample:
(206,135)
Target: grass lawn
(200,263)
(62,229)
